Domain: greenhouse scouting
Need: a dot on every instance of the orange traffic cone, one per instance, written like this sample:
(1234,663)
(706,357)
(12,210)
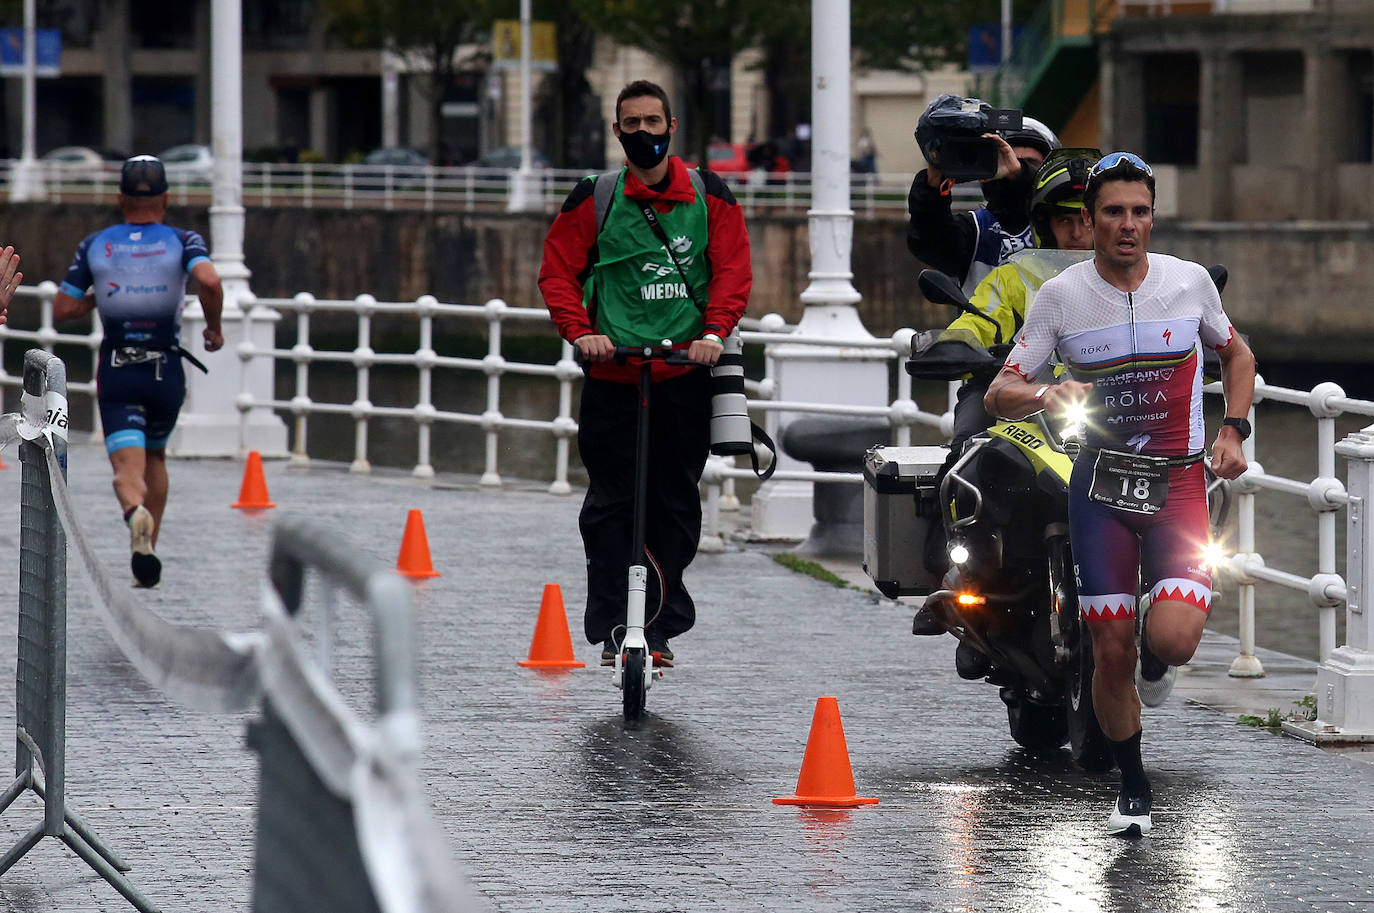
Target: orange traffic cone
(826,778)
(413,561)
(253,492)
(552,646)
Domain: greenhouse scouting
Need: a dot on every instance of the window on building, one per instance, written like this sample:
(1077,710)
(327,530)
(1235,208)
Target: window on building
(1171,108)
(77,20)
(162,23)
(277,24)
(1273,96)
(1357,122)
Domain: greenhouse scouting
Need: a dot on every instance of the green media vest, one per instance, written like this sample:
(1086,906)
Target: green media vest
(637,293)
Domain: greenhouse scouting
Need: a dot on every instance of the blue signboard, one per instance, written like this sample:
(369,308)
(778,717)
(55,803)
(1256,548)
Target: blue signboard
(48,47)
(985,45)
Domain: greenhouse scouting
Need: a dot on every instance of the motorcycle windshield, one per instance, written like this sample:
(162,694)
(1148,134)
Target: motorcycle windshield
(1037,266)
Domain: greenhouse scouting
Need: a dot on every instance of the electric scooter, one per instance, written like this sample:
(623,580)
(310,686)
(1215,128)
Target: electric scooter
(635,670)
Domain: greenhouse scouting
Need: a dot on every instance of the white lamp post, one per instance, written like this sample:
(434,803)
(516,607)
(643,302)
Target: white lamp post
(27,181)
(524,189)
(814,373)
(210,422)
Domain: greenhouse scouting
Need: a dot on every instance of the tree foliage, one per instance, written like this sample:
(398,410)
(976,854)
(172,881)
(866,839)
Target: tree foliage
(433,29)
(573,123)
(699,38)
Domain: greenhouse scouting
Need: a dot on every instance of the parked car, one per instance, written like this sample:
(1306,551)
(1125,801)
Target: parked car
(404,165)
(746,162)
(190,163)
(396,155)
(74,163)
(509,157)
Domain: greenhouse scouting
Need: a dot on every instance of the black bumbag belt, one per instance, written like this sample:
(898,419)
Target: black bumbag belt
(137,355)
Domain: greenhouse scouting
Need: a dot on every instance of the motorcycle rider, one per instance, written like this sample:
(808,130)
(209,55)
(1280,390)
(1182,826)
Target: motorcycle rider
(969,245)
(1056,207)
(1129,325)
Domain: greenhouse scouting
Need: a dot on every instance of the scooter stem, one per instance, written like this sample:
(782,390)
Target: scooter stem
(634,608)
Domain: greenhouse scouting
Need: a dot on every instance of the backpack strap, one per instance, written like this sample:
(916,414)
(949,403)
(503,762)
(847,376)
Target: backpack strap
(603,194)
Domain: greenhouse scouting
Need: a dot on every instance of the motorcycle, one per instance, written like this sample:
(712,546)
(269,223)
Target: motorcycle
(1000,576)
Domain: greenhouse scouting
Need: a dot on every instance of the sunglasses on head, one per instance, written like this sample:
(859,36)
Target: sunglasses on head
(1118,160)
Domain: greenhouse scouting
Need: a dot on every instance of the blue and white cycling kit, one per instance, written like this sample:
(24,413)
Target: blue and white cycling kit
(992,245)
(137,274)
(1141,352)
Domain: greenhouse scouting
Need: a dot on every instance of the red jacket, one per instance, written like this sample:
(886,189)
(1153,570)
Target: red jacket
(571,245)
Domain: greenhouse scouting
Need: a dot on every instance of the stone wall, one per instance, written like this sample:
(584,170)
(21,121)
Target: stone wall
(1299,290)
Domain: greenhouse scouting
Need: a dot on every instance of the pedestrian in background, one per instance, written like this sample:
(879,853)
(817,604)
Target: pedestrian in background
(134,275)
(867,162)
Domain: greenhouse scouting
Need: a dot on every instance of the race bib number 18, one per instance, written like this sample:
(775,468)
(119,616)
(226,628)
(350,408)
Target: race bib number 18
(1128,481)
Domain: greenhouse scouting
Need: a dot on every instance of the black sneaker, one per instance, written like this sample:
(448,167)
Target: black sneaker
(658,645)
(608,652)
(1130,815)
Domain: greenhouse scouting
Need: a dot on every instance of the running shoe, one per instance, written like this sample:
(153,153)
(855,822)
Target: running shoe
(1154,678)
(146,567)
(658,646)
(1130,816)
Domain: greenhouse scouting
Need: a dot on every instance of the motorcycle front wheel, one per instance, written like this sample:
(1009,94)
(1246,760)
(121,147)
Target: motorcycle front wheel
(1088,746)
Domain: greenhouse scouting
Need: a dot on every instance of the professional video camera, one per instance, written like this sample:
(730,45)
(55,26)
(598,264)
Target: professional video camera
(950,134)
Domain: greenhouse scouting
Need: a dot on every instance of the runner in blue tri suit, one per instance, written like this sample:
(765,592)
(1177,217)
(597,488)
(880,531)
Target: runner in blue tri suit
(134,275)
(1129,325)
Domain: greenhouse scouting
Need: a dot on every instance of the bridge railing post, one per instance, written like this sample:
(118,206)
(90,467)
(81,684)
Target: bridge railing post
(1345,679)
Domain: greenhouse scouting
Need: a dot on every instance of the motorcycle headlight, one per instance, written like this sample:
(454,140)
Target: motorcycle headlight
(958,553)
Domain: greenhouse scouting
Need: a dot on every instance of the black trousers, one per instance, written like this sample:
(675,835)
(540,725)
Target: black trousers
(679,439)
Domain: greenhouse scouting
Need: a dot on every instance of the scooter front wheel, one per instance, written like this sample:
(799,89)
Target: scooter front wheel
(632,686)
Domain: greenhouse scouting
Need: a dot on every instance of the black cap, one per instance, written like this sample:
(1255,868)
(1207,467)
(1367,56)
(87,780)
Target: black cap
(143,176)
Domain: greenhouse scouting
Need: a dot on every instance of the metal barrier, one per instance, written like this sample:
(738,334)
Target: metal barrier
(41,686)
(342,824)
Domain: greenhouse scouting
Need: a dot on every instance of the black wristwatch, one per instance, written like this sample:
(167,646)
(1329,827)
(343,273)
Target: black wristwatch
(1242,426)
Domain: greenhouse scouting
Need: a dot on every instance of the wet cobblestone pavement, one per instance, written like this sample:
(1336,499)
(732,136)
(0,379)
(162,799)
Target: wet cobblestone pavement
(550,805)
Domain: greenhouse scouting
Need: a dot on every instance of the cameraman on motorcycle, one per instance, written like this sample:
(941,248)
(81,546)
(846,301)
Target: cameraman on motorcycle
(968,245)
(1055,206)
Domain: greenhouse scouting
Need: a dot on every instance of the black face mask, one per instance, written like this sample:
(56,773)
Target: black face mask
(645,149)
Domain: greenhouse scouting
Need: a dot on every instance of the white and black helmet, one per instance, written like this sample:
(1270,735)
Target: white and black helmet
(1034,134)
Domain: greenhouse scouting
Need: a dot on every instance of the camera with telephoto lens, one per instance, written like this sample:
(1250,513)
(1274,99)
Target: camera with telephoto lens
(950,134)
(731,431)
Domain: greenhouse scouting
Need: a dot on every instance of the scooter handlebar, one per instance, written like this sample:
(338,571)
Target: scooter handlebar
(662,353)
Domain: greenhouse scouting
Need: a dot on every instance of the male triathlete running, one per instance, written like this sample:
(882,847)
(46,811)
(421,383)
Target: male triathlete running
(1129,325)
(135,275)
(1056,213)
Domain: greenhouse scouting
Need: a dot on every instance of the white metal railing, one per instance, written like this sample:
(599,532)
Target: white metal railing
(46,336)
(1325,495)
(430,188)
